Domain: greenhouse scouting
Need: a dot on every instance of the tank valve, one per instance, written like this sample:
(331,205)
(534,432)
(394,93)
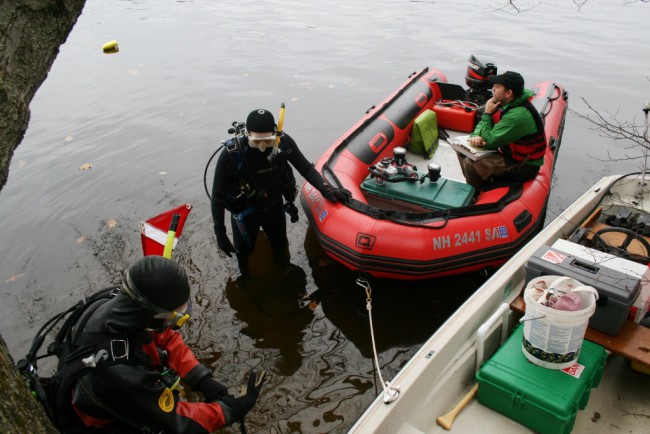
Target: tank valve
(434,171)
(399,156)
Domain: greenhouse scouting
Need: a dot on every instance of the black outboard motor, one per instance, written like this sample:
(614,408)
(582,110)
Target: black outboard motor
(479,68)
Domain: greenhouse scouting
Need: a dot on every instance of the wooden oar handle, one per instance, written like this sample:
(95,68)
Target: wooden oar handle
(446,420)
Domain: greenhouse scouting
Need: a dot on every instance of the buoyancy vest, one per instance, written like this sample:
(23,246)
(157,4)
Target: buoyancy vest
(529,147)
(76,358)
(258,182)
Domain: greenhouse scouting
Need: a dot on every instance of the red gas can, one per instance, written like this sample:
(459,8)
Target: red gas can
(455,117)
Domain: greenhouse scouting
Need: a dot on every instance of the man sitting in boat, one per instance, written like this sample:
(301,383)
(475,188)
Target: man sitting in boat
(250,179)
(512,126)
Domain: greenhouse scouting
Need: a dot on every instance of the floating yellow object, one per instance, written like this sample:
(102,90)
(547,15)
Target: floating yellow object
(110,47)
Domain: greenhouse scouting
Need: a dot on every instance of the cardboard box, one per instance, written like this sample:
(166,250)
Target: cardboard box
(617,290)
(544,400)
(641,305)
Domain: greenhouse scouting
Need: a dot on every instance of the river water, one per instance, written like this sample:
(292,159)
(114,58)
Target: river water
(116,139)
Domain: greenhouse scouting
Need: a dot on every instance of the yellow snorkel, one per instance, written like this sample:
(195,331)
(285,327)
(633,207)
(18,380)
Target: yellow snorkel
(278,133)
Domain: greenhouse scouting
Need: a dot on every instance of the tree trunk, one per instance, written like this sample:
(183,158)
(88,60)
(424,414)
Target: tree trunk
(31,32)
(19,411)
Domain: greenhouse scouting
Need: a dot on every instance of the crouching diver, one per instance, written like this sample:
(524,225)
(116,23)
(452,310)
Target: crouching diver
(133,374)
(250,180)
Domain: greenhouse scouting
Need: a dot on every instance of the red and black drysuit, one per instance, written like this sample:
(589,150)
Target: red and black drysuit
(133,393)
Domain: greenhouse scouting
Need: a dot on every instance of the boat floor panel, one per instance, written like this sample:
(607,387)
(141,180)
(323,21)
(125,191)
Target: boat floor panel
(444,156)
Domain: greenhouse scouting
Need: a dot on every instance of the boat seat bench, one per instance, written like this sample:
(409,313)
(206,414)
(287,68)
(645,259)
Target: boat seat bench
(632,342)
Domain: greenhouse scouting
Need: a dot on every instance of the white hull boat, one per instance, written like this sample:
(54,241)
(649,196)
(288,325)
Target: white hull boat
(442,374)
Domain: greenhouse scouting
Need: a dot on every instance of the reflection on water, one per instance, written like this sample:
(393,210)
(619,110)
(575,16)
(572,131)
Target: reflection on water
(271,313)
(404,314)
(309,327)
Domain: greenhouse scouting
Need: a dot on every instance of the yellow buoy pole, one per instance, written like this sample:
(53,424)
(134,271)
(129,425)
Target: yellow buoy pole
(171,236)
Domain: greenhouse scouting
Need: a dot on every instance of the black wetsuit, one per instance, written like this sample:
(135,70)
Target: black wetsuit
(261,205)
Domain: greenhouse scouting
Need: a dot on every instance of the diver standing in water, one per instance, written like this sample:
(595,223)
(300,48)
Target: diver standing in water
(253,179)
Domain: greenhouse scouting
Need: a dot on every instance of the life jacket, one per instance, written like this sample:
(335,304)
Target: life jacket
(262,186)
(529,147)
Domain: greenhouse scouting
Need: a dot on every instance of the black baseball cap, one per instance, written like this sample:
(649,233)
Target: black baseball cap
(260,121)
(510,80)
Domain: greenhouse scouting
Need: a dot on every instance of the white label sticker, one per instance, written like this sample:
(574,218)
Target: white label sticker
(574,370)
(553,257)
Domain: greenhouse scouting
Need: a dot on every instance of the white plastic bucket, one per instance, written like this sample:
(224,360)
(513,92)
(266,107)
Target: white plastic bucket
(553,338)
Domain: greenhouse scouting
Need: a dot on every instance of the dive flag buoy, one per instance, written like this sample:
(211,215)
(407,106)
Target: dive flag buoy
(110,47)
(160,234)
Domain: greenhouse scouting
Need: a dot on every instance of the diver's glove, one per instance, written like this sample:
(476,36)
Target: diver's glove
(223,242)
(342,195)
(292,210)
(212,389)
(243,404)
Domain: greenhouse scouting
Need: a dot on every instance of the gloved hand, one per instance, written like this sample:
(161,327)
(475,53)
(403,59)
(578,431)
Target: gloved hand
(342,195)
(223,242)
(253,388)
(242,405)
(212,389)
(291,209)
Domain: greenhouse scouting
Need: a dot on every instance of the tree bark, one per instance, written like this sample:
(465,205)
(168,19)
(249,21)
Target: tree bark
(31,32)
(19,411)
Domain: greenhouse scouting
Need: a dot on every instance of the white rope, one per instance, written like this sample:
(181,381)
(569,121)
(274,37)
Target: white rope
(391,393)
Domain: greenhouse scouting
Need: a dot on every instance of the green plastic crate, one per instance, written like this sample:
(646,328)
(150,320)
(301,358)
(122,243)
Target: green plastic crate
(544,400)
(440,195)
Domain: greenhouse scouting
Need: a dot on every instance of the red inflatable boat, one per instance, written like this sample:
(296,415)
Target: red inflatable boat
(426,226)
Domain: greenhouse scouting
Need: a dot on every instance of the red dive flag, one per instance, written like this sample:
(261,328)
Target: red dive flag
(157,230)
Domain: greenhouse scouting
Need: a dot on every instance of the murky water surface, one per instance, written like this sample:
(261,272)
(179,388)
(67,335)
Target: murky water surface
(147,119)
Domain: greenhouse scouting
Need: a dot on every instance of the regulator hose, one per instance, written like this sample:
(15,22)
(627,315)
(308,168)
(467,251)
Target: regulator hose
(205,172)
